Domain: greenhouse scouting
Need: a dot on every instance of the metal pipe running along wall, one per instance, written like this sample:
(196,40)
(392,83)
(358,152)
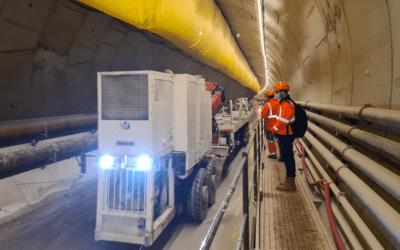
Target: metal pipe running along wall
(375,115)
(362,228)
(25,127)
(378,173)
(195,26)
(376,143)
(45,151)
(386,218)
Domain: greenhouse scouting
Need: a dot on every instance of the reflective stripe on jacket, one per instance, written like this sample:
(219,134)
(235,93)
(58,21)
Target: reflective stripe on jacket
(284,117)
(270,112)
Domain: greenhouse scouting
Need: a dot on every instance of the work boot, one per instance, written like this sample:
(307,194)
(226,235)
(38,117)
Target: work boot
(272,156)
(289,186)
(283,183)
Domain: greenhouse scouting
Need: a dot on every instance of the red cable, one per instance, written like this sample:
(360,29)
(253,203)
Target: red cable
(332,223)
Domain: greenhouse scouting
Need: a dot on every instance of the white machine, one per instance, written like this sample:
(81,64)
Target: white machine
(154,134)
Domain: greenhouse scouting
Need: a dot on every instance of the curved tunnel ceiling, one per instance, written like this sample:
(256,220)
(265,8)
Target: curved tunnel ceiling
(340,52)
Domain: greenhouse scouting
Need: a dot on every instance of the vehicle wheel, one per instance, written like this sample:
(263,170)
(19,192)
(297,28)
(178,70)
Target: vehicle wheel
(211,172)
(199,196)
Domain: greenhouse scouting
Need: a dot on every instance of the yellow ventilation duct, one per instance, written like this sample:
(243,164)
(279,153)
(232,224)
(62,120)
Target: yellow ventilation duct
(195,26)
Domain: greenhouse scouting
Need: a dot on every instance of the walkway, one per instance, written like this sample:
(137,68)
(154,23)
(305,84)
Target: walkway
(289,220)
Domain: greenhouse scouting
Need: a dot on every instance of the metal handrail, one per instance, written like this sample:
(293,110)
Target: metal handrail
(240,244)
(244,235)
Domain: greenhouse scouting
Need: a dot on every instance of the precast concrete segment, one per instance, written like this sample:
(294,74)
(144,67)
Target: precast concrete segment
(378,173)
(24,127)
(386,218)
(196,26)
(375,115)
(353,215)
(289,220)
(374,142)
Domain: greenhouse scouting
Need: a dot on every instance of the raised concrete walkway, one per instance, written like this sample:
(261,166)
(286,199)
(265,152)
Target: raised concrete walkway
(289,220)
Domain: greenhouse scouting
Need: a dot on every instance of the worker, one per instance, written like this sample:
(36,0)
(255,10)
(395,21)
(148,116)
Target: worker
(269,113)
(285,136)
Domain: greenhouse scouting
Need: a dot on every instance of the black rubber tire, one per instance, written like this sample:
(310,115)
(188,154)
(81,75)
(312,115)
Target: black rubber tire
(197,206)
(212,176)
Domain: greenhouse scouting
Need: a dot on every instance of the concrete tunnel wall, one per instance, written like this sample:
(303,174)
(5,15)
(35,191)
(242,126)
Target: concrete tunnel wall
(50,51)
(340,52)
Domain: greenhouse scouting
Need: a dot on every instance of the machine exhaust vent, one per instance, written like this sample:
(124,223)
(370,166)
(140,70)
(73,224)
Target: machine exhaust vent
(125,97)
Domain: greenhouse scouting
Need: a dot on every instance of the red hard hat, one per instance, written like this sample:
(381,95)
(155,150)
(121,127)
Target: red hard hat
(281,86)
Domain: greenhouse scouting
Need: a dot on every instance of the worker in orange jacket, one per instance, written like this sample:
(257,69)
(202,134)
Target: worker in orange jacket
(269,113)
(285,136)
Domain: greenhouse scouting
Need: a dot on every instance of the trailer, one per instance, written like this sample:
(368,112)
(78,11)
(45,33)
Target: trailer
(232,127)
(155,137)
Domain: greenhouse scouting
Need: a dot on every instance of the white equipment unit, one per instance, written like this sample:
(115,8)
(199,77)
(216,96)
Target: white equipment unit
(152,126)
(192,119)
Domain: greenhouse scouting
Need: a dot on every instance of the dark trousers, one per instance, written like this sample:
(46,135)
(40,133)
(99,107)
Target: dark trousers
(287,155)
(270,135)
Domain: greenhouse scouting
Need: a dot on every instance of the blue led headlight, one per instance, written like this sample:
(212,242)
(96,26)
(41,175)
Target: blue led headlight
(106,161)
(144,162)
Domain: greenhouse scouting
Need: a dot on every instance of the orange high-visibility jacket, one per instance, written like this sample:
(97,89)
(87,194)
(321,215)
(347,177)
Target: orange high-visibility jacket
(284,117)
(270,112)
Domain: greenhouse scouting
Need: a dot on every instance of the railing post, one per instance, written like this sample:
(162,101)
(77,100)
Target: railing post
(246,200)
(258,146)
(83,164)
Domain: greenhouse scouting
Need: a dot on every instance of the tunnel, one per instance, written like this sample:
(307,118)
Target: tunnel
(341,59)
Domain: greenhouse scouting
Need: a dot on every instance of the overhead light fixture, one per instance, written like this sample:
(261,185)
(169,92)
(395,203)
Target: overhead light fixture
(262,43)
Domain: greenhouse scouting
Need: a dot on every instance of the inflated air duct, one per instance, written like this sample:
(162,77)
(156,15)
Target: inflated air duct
(195,26)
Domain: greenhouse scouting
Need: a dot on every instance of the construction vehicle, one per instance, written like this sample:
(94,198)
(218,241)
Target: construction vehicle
(154,138)
(230,122)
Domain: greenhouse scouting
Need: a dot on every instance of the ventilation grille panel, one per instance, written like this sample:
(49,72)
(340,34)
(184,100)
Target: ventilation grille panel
(125,97)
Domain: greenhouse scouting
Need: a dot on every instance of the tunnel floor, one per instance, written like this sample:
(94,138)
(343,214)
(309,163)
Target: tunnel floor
(289,220)
(68,222)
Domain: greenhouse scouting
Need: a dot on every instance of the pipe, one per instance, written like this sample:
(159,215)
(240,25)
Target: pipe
(386,218)
(375,115)
(42,125)
(220,214)
(242,232)
(338,214)
(48,151)
(365,232)
(218,218)
(378,173)
(195,26)
(376,143)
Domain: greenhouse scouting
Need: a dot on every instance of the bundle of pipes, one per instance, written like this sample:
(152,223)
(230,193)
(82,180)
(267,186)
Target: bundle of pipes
(386,218)
(367,113)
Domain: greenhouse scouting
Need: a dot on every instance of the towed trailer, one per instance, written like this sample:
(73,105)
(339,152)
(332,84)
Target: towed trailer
(232,127)
(155,137)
